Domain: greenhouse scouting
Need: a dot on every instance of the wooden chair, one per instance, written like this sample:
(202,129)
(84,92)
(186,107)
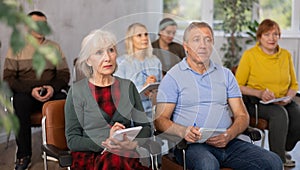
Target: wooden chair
(255,120)
(54,140)
(53,133)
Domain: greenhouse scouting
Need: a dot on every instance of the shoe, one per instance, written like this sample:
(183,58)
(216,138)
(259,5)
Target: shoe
(289,163)
(50,158)
(23,163)
(288,156)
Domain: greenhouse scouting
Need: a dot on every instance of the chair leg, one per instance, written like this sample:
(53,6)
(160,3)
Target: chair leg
(7,139)
(263,137)
(184,161)
(45,161)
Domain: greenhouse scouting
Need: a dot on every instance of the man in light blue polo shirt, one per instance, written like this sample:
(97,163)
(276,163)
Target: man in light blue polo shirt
(197,94)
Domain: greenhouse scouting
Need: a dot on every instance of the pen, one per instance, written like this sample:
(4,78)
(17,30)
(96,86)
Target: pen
(104,150)
(195,125)
(144,73)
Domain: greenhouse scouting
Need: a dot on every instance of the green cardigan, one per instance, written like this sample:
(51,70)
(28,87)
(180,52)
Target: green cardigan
(87,125)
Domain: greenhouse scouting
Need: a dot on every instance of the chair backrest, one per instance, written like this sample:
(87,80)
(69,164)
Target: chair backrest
(36,119)
(77,74)
(55,123)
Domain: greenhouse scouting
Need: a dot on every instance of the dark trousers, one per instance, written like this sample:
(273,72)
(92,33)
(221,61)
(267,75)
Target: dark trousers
(284,125)
(24,105)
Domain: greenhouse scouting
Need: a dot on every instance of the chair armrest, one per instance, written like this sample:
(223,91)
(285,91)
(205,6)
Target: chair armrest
(252,133)
(64,157)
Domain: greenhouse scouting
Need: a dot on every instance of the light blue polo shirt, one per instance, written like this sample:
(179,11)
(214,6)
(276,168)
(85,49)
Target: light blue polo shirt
(200,99)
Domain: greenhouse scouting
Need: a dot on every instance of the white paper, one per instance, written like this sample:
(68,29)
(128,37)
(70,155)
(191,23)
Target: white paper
(131,133)
(210,132)
(275,100)
(150,86)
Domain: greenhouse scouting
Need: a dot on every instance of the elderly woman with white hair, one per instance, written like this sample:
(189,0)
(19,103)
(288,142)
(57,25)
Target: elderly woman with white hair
(139,64)
(101,104)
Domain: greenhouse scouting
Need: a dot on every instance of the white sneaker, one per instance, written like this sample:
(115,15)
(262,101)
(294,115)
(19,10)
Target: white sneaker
(50,158)
(289,163)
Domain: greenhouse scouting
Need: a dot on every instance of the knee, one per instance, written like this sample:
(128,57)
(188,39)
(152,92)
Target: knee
(209,162)
(272,161)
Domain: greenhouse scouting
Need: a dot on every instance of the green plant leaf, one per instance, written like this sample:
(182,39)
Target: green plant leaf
(50,53)
(38,63)
(43,28)
(17,41)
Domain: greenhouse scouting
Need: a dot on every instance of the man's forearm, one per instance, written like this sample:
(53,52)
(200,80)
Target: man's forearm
(168,126)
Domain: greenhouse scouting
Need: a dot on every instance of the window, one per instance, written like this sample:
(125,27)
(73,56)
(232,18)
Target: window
(211,11)
(186,9)
(278,10)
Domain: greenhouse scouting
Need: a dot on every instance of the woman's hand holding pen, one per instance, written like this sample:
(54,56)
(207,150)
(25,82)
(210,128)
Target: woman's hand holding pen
(150,79)
(267,95)
(111,143)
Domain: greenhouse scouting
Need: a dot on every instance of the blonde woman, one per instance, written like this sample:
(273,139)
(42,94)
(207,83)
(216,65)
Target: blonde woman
(139,64)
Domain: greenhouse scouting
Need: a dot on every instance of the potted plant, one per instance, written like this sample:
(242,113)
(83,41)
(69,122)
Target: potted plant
(252,26)
(235,21)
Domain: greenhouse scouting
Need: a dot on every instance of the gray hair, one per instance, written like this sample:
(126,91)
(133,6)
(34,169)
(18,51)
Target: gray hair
(95,40)
(196,25)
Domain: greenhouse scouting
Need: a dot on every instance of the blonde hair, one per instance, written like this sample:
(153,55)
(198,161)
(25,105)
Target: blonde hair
(95,40)
(131,31)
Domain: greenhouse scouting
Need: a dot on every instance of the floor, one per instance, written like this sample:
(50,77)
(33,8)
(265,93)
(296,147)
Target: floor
(7,155)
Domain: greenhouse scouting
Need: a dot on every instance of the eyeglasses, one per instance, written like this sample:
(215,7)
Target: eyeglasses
(141,34)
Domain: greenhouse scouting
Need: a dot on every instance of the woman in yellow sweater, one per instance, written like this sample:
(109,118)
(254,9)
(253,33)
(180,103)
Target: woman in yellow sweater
(266,72)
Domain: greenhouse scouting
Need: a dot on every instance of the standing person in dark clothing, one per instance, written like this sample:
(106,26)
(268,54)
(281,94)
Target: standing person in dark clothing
(29,91)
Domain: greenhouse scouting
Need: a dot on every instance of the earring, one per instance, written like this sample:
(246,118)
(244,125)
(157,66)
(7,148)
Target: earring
(91,69)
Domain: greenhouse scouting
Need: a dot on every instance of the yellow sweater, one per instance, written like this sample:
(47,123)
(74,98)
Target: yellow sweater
(259,70)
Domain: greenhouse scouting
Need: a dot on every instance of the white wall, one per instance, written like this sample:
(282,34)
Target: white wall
(71,20)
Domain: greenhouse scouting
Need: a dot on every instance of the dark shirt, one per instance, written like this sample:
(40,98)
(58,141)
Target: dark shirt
(168,58)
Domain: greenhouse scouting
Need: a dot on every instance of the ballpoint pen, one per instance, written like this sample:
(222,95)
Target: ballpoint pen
(144,73)
(104,150)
